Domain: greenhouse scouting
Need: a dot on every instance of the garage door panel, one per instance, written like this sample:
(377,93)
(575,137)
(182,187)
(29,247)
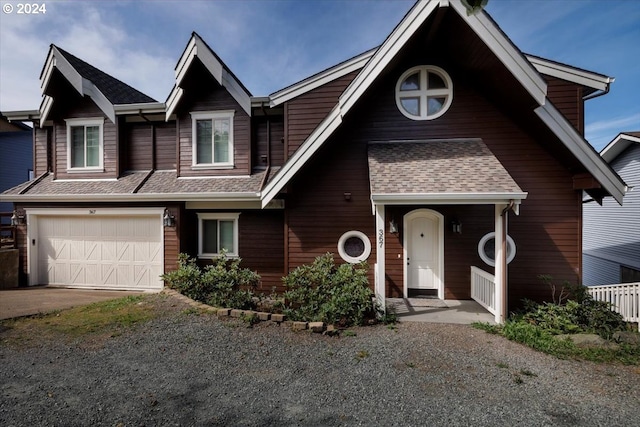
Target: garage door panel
(101,251)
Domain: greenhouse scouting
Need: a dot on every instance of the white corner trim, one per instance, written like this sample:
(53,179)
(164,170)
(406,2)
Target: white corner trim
(304,153)
(580,148)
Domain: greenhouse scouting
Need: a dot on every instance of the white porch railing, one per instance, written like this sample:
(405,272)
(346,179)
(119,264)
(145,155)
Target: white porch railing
(624,298)
(483,289)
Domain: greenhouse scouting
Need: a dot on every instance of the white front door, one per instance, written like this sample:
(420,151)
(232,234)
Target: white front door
(423,249)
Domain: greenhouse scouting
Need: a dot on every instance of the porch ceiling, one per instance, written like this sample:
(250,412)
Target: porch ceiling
(439,171)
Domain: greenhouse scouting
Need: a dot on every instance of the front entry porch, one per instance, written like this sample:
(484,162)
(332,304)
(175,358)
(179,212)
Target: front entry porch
(439,311)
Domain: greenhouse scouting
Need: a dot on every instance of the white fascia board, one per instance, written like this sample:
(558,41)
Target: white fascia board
(101,101)
(581,149)
(320,79)
(172,101)
(304,153)
(94,211)
(22,115)
(448,198)
(69,73)
(392,45)
(131,197)
(572,74)
(185,60)
(45,108)
(617,146)
(506,52)
(47,71)
(140,108)
(236,90)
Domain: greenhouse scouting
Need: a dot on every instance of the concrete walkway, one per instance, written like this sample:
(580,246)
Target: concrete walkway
(41,299)
(439,311)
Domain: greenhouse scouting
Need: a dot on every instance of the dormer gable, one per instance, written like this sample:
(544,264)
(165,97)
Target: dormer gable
(198,51)
(105,91)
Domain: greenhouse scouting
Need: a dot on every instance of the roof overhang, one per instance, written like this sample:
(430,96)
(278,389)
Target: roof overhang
(133,197)
(448,198)
(618,145)
(22,115)
(576,75)
(321,78)
(55,60)
(583,151)
(197,48)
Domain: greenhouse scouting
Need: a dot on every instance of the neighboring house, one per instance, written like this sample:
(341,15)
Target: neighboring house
(611,236)
(411,156)
(16,156)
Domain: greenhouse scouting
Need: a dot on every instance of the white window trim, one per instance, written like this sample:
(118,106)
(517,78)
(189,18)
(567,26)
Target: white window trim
(212,115)
(511,249)
(348,258)
(218,216)
(86,122)
(424,92)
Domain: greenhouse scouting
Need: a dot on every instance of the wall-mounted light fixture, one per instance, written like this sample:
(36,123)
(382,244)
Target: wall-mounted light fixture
(168,220)
(17,218)
(456,226)
(347,196)
(393,226)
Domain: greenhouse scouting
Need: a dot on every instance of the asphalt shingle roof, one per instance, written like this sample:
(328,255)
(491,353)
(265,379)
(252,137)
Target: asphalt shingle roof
(116,91)
(437,167)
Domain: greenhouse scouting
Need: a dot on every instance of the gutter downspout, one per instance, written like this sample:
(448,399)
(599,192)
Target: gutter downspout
(266,173)
(599,93)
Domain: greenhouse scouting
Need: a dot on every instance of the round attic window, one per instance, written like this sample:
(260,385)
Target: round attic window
(424,92)
(487,249)
(354,247)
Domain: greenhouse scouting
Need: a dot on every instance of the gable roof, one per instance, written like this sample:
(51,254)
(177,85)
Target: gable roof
(197,48)
(506,52)
(619,144)
(105,90)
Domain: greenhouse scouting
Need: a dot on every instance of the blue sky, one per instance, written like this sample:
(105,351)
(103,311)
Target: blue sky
(270,44)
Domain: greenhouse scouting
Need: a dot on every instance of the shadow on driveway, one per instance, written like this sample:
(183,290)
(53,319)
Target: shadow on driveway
(41,299)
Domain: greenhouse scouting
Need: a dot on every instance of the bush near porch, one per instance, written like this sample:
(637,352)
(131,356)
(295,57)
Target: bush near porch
(321,291)
(548,327)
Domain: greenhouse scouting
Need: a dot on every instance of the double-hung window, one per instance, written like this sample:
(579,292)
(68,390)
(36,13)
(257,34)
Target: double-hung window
(212,139)
(84,144)
(217,232)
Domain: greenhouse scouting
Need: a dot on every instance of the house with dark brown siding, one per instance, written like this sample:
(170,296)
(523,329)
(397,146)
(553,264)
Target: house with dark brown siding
(448,160)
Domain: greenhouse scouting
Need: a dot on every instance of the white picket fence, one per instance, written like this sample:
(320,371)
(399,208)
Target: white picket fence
(624,298)
(483,289)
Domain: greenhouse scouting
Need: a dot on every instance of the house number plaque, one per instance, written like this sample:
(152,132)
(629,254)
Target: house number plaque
(380,237)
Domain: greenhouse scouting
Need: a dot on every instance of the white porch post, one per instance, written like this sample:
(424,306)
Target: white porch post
(380,251)
(501,264)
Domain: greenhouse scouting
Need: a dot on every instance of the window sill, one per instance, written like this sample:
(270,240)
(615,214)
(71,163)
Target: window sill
(213,166)
(85,170)
(216,256)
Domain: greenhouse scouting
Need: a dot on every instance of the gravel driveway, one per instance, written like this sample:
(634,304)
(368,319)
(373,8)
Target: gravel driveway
(197,370)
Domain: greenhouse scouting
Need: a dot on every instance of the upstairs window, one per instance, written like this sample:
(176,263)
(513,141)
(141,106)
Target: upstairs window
(217,232)
(424,92)
(84,144)
(212,139)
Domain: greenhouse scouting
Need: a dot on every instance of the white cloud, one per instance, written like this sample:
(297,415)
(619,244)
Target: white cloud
(601,132)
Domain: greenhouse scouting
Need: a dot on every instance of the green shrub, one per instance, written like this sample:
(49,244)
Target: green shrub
(580,314)
(328,293)
(221,284)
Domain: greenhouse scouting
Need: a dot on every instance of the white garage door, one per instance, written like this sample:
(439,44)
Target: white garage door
(111,252)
